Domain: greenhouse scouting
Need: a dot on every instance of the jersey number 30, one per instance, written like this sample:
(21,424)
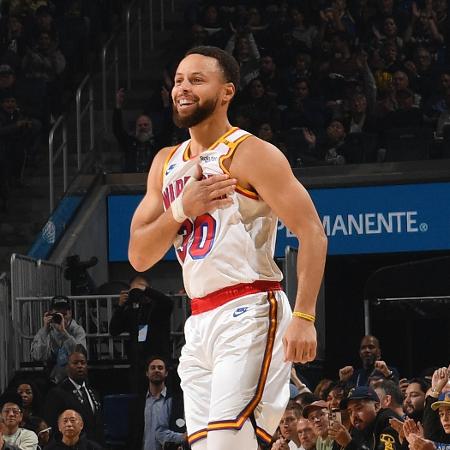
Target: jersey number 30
(198,237)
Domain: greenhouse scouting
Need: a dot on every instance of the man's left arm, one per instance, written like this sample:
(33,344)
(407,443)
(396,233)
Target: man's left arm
(163,433)
(261,166)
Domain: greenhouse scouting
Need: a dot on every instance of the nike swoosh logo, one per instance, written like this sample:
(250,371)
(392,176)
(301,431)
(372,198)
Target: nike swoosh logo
(240,311)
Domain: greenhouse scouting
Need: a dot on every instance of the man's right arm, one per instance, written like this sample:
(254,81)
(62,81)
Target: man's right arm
(153,230)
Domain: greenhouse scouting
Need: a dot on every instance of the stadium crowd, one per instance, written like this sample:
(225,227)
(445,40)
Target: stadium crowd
(367,407)
(46,48)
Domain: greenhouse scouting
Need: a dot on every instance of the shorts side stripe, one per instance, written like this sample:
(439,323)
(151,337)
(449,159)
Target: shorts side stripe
(245,413)
(264,435)
(194,437)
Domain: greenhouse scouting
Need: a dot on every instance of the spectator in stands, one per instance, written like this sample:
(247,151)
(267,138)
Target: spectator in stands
(19,136)
(306,435)
(303,31)
(359,118)
(317,414)
(422,28)
(303,109)
(371,428)
(31,398)
(14,42)
(258,105)
(243,47)
(334,395)
(407,115)
(70,425)
(3,444)
(271,78)
(139,148)
(414,402)
(145,313)
(58,337)
(370,354)
(390,397)
(329,148)
(443,120)
(11,410)
(305,398)
(440,388)
(400,82)
(322,387)
(44,63)
(74,392)
(39,426)
(158,413)
(389,33)
(288,428)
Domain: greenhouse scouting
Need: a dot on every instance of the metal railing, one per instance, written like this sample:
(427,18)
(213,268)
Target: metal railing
(53,155)
(94,314)
(31,277)
(114,64)
(81,112)
(133,9)
(6,331)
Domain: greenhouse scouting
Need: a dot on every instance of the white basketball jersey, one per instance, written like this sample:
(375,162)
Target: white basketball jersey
(228,246)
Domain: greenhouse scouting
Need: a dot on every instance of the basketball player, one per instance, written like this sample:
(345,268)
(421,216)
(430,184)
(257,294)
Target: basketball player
(216,198)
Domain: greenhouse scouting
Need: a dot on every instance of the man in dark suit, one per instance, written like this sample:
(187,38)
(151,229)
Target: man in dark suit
(75,393)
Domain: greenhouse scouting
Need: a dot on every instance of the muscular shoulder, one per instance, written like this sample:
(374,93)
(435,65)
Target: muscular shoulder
(157,167)
(255,157)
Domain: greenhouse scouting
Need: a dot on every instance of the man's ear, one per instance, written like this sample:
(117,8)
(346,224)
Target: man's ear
(228,93)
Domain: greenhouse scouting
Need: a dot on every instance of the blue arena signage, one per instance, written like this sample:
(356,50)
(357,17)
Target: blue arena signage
(357,220)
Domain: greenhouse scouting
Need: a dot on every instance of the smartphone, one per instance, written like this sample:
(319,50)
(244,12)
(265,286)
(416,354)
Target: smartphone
(334,415)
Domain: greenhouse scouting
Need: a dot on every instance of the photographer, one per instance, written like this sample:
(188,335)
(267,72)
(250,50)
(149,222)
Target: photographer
(58,337)
(145,314)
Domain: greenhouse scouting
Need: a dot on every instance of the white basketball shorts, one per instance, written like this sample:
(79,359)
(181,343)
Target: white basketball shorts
(232,366)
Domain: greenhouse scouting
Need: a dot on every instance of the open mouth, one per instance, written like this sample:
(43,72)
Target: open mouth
(185,103)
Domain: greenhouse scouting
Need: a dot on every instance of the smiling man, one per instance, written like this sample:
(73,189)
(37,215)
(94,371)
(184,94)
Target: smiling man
(371,428)
(216,197)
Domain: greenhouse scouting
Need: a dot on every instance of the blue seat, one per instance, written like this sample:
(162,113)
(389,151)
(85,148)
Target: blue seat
(116,418)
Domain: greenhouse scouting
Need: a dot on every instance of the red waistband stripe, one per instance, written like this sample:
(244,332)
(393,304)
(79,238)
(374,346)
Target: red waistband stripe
(225,295)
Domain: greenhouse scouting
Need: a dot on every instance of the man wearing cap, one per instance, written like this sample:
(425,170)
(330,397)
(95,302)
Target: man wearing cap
(371,428)
(317,414)
(11,416)
(58,337)
(439,393)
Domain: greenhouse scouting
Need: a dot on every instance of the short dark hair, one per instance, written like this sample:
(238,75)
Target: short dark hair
(424,384)
(227,62)
(391,388)
(294,406)
(152,358)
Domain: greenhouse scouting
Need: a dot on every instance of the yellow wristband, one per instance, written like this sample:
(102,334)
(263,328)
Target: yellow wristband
(308,317)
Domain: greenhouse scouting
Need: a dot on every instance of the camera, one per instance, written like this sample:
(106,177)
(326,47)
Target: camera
(138,296)
(56,318)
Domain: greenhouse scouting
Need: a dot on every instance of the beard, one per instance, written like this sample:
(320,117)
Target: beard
(199,114)
(143,136)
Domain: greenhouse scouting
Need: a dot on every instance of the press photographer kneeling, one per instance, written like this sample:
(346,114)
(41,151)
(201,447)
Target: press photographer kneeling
(145,314)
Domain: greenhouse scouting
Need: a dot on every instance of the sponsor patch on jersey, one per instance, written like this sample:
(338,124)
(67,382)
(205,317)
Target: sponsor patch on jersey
(208,158)
(170,168)
(239,311)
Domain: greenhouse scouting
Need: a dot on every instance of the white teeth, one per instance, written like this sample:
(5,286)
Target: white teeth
(183,102)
